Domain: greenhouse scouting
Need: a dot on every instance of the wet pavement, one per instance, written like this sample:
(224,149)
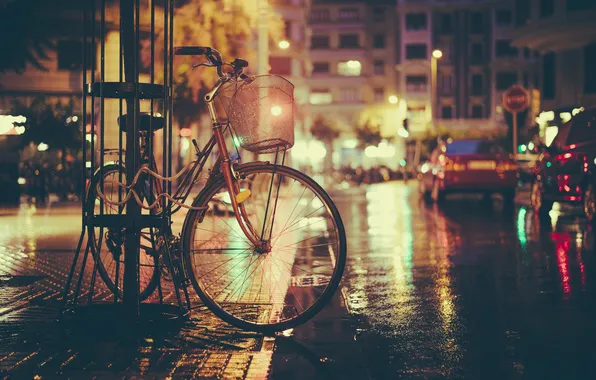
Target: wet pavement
(463,290)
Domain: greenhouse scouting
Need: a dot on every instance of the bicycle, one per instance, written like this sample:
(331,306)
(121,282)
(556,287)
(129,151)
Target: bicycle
(263,245)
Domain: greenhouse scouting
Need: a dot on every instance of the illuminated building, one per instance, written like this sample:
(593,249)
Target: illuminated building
(564,33)
(352,79)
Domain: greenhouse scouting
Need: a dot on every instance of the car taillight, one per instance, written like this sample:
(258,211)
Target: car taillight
(573,162)
(506,166)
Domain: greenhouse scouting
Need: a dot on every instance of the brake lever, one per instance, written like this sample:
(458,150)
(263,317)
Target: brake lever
(207,64)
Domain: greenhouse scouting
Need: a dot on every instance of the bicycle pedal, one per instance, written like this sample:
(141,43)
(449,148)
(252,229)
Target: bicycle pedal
(243,195)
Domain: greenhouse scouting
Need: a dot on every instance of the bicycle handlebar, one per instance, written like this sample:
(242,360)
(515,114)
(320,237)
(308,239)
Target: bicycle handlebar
(214,58)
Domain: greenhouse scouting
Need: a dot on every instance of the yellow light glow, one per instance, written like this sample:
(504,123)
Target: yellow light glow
(437,54)
(276,110)
(353,64)
(284,44)
(393,99)
(42,147)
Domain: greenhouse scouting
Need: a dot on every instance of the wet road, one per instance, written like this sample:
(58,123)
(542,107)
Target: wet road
(462,291)
(457,291)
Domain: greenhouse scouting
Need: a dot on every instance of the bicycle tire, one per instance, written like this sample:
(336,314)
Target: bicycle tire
(192,221)
(103,272)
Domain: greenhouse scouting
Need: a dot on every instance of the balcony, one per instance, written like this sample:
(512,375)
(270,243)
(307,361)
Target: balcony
(561,31)
(443,3)
(417,88)
(335,53)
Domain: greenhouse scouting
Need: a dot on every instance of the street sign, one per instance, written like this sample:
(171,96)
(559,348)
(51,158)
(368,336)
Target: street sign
(516,99)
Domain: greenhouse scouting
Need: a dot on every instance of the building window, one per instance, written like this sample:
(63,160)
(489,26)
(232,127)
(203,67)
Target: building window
(446,23)
(319,15)
(70,55)
(476,25)
(417,114)
(580,5)
(379,67)
(379,41)
(320,97)
(503,17)
(589,72)
(319,42)
(547,8)
(477,112)
(320,67)
(476,56)
(477,84)
(503,48)
(280,65)
(504,80)
(549,75)
(416,51)
(445,83)
(350,95)
(379,95)
(349,41)
(416,21)
(348,14)
(416,83)
(446,112)
(378,14)
(349,68)
(522,12)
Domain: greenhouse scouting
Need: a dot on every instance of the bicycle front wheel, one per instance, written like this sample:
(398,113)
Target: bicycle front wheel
(275,290)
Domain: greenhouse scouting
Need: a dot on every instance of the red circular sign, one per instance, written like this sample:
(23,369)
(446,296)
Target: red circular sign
(516,99)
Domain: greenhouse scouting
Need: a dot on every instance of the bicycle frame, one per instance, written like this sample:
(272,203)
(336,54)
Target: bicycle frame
(222,164)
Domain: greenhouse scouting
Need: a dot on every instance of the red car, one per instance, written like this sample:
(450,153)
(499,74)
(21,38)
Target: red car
(468,166)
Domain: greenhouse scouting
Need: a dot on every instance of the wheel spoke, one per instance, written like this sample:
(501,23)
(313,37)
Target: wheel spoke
(276,288)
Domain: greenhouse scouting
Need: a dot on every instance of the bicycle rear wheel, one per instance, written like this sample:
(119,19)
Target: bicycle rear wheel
(110,262)
(274,291)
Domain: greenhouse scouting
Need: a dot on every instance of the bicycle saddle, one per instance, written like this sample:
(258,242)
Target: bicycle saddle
(145,121)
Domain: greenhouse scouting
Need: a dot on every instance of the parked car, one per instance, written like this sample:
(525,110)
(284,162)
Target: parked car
(468,166)
(565,171)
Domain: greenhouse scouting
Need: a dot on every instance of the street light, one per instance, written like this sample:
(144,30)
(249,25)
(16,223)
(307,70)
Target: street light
(436,55)
(393,99)
(284,44)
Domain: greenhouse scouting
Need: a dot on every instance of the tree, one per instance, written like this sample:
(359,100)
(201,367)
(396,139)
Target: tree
(28,29)
(326,132)
(52,124)
(226,25)
(368,134)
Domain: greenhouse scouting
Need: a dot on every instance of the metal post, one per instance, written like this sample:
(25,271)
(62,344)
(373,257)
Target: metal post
(131,257)
(433,91)
(514,135)
(263,41)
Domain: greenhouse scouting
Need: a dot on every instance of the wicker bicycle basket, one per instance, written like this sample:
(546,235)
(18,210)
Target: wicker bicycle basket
(261,112)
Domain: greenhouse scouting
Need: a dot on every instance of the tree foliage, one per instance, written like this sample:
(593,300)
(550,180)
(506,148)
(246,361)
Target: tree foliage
(323,129)
(226,25)
(22,39)
(368,134)
(50,123)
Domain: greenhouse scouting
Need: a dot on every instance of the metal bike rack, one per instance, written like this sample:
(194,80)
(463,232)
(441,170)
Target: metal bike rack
(116,83)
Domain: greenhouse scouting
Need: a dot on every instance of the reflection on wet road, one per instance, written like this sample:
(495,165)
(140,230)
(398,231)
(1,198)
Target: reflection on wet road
(458,291)
(463,290)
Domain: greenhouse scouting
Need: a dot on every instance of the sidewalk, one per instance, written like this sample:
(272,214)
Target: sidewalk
(36,251)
